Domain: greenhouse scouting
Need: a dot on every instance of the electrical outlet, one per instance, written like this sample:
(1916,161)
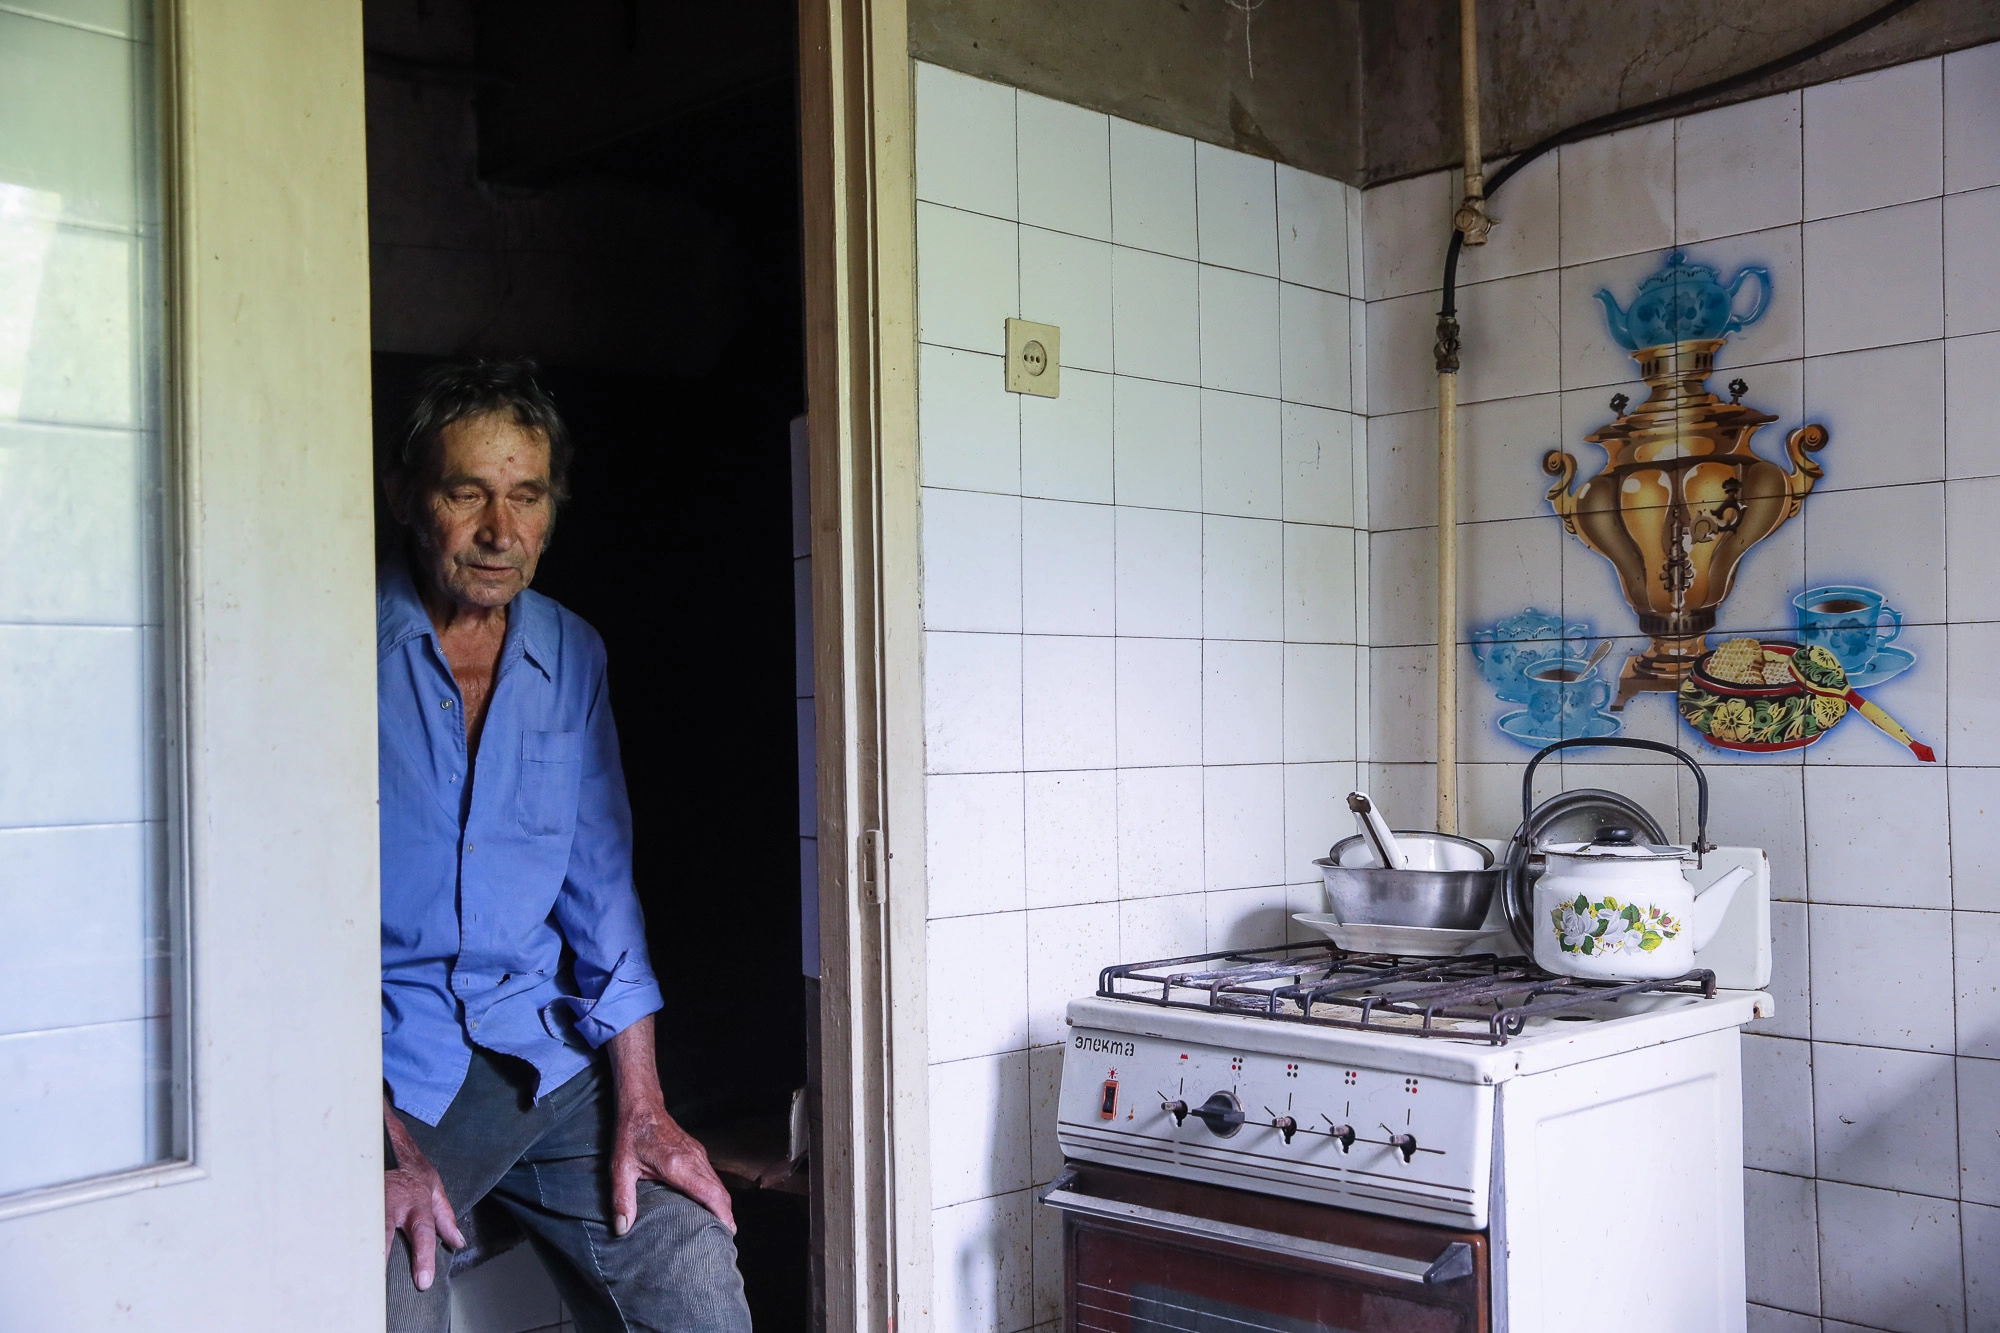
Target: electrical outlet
(1034,360)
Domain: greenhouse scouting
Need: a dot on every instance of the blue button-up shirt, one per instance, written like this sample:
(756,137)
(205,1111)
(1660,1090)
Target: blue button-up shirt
(508,914)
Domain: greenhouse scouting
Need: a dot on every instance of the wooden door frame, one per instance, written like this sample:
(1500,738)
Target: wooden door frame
(858,179)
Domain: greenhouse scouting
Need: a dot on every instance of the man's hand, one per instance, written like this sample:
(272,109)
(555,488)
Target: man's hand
(414,1203)
(648,1144)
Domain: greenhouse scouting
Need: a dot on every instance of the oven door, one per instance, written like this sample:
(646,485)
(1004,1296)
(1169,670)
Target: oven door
(1148,1254)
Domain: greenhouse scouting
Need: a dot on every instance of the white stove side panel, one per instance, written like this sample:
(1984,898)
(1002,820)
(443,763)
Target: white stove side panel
(1444,1182)
(1619,1193)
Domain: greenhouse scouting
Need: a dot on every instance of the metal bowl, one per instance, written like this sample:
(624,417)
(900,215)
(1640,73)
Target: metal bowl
(1438,899)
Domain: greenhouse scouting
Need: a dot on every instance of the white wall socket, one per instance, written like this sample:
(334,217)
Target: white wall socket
(1034,358)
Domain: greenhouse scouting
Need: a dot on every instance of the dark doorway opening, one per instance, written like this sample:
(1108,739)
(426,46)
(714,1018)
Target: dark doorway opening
(612,187)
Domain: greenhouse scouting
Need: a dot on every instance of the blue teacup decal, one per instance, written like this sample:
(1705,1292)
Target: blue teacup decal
(1848,622)
(1506,651)
(1563,691)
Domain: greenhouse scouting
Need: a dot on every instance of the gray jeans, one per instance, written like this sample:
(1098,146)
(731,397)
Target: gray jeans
(548,1164)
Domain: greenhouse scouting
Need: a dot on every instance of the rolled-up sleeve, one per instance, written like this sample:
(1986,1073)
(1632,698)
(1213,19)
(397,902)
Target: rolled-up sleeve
(598,908)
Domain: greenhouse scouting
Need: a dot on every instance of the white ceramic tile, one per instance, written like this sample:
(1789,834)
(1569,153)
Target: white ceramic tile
(1887,406)
(1874,278)
(1791,974)
(1152,189)
(1067,946)
(1525,233)
(965,141)
(1066,441)
(1885,1118)
(1243,821)
(1769,1319)
(1241,472)
(510,1293)
(1972,118)
(81,938)
(1618,193)
(972,703)
(1874,139)
(1590,354)
(1978,1155)
(1781,1236)
(1759,805)
(1158,432)
(1312,230)
(1505,566)
(1982,1257)
(1066,281)
(1402,469)
(1972,552)
(1159,831)
(1241,702)
(73,525)
(1976,974)
(1737,168)
(979,1127)
(1402,376)
(1242,578)
(1975,862)
(1972,292)
(1068,702)
(1856,999)
(78,692)
(1890,538)
(1408,224)
(1066,567)
(68,119)
(1875,841)
(1402,707)
(972,561)
(1500,447)
(1890,1261)
(1045,1158)
(1316,351)
(1410,789)
(1155,316)
(1239,332)
(1402,593)
(1159,701)
(1318,465)
(1778,1104)
(1320,591)
(982,1264)
(1975,701)
(969,425)
(1508,332)
(973,840)
(1316,817)
(1159,573)
(84,349)
(1320,704)
(1253,918)
(967,279)
(1357,354)
(1163,927)
(978,995)
(1236,207)
(1072,837)
(1972,401)
(1065,157)
(80,1096)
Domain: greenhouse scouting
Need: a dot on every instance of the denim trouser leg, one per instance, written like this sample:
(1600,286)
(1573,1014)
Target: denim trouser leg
(549,1166)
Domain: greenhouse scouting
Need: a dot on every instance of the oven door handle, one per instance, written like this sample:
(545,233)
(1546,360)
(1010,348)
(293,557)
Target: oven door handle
(1455,1262)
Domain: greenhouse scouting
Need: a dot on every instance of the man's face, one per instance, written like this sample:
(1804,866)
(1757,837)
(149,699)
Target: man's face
(481,526)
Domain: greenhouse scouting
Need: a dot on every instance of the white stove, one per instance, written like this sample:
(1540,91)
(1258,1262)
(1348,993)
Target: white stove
(1583,1128)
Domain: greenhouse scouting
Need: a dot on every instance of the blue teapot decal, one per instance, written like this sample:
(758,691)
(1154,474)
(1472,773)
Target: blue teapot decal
(1684,301)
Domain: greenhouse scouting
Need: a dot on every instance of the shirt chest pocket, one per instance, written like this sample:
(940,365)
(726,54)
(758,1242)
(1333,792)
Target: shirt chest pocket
(551,771)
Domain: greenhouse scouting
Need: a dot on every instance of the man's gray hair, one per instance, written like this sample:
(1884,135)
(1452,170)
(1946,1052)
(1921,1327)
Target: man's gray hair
(451,393)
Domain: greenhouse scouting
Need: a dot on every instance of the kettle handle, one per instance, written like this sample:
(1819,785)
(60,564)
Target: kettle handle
(1701,843)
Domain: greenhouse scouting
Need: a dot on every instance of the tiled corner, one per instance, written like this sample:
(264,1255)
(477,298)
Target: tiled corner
(1318,448)
(1312,230)
(1315,347)
(1407,225)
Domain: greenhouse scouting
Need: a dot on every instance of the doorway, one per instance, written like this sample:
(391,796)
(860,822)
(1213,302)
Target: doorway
(612,188)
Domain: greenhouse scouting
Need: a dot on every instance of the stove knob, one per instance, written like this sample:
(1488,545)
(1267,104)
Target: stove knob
(1405,1144)
(1344,1134)
(1176,1108)
(1222,1113)
(1285,1125)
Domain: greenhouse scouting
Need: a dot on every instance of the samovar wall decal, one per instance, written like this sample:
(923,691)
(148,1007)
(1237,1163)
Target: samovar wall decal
(1682,497)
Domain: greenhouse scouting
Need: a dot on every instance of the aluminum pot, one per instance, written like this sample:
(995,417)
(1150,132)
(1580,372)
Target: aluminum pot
(1438,899)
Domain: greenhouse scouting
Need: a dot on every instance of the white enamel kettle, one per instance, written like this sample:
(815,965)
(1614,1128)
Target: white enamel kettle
(1618,909)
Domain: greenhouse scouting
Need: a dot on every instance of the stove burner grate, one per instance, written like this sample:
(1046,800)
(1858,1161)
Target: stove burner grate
(1474,997)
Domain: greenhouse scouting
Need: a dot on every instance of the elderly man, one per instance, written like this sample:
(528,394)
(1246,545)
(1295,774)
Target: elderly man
(517,997)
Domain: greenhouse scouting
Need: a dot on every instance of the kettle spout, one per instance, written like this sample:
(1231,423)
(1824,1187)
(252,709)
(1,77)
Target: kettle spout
(1712,904)
(1616,319)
